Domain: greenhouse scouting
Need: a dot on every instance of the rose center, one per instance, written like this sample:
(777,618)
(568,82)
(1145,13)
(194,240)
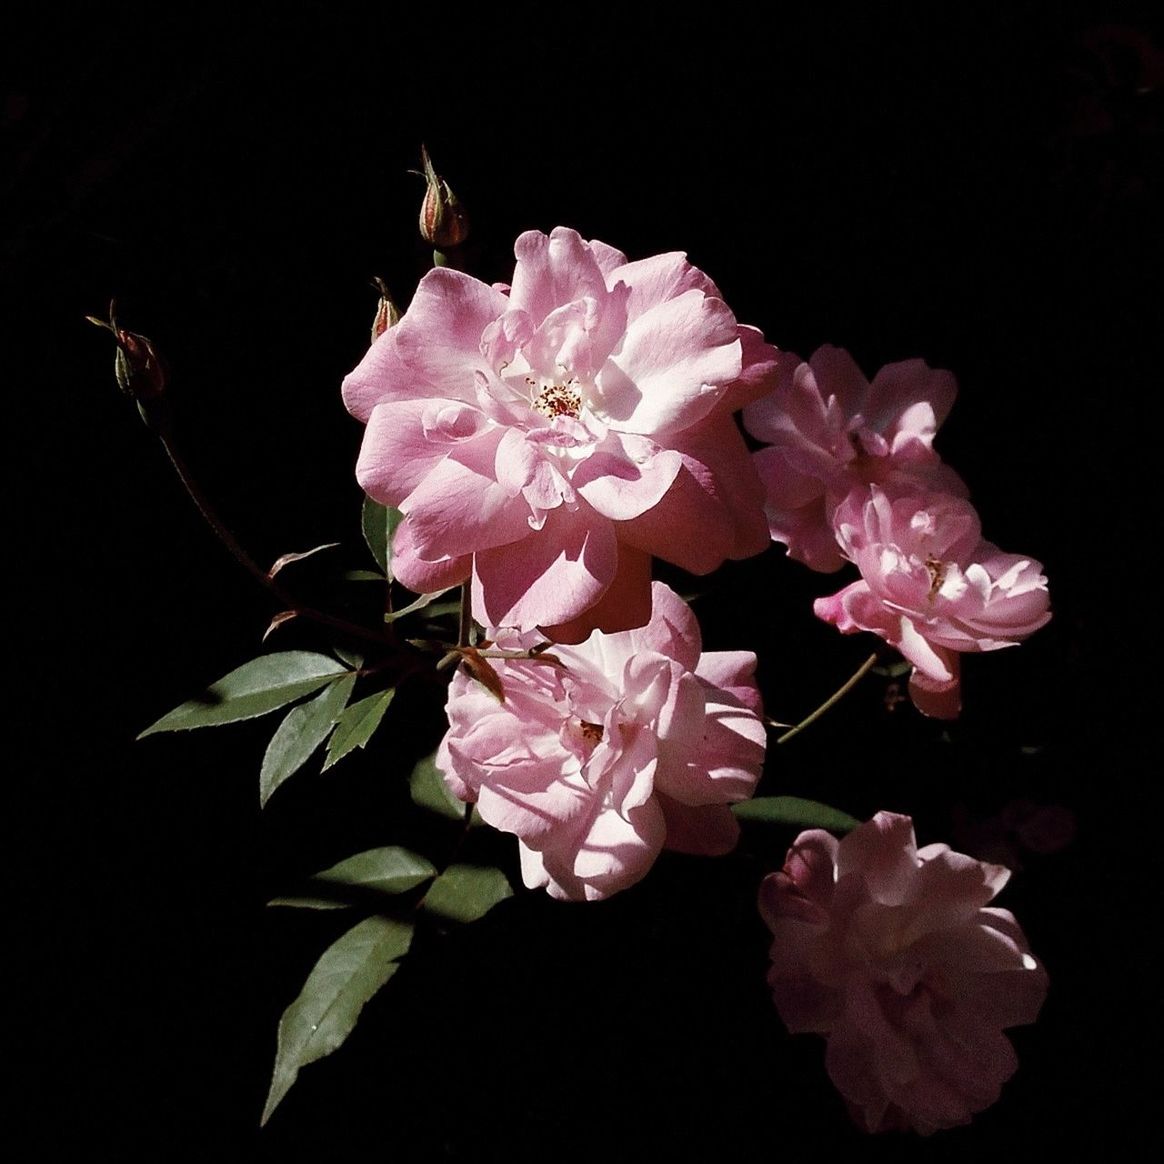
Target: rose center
(556,399)
(937,572)
(591,732)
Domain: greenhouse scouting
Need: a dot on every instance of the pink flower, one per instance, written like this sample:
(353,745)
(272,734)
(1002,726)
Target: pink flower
(932,587)
(830,430)
(548,438)
(635,743)
(893,954)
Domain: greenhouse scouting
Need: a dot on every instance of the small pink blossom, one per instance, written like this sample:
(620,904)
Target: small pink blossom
(635,743)
(547,438)
(829,430)
(894,955)
(931,587)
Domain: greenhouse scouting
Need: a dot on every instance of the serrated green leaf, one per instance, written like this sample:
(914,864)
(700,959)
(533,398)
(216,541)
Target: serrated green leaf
(351,970)
(262,685)
(387,870)
(302,731)
(379,524)
(795,810)
(463,893)
(427,788)
(356,725)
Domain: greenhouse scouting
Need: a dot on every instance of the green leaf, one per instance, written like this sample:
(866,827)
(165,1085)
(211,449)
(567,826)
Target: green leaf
(364,576)
(379,523)
(427,788)
(352,658)
(262,685)
(795,810)
(357,724)
(351,970)
(463,893)
(301,732)
(388,870)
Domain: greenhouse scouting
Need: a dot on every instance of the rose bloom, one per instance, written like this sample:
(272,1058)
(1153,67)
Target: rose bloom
(830,430)
(636,742)
(548,438)
(932,587)
(893,954)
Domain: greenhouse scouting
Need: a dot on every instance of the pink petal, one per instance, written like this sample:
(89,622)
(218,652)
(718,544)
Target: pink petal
(883,852)
(624,606)
(626,476)
(673,366)
(941,699)
(554,271)
(433,350)
(896,391)
(380,375)
(460,506)
(555,575)
(659,279)
(672,630)
(423,577)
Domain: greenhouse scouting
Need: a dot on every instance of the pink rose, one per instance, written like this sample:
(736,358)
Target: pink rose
(636,742)
(547,439)
(931,587)
(893,954)
(830,430)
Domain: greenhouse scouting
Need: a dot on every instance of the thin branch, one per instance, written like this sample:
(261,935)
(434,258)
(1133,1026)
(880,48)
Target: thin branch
(466,629)
(248,563)
(836,697)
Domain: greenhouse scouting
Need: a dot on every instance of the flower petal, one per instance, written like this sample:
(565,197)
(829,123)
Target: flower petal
(556,575)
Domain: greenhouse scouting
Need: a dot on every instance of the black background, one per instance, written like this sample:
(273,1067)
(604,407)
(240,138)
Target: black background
(981,189)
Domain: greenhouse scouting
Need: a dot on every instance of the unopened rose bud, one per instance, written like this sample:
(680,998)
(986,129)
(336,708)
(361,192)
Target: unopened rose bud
(139,371)
(137,366)
(387,313)
(443,224)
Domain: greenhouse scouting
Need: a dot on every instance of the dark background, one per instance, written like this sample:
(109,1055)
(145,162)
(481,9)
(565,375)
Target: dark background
(981,189)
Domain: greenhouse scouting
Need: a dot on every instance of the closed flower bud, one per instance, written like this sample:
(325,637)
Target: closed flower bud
(443,224)
(136,366)
(387,313)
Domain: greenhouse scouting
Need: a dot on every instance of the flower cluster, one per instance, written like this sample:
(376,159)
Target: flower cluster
(544,441)
(851,475)
(895,956)
(621,746)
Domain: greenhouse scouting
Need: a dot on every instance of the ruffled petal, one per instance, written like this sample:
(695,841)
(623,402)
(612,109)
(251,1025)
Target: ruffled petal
(555,575)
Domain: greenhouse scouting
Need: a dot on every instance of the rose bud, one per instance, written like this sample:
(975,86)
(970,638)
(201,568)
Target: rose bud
(443,224)
(387,313)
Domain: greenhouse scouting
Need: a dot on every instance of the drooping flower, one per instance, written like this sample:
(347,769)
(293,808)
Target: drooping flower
(829,430)
(547,439)
(894,955)
(931,587)
(636,742)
